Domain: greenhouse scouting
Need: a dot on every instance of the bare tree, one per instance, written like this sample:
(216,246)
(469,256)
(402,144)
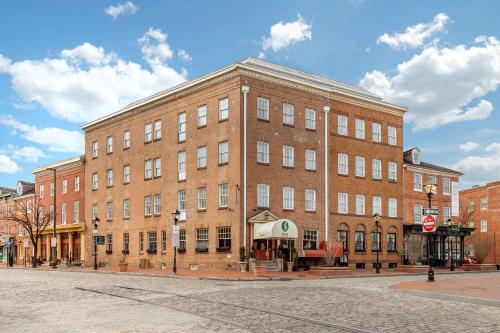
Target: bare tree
(333,251)
(481,245)
(414,246)
(33,218)
(464,215)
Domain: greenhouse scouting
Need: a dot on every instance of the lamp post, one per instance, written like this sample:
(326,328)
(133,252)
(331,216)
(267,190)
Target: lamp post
(431,190)
(96,223)
(376,218)
(53,252)
(175,239)
(450,244)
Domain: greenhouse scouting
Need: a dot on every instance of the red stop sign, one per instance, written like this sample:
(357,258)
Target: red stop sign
(429,223)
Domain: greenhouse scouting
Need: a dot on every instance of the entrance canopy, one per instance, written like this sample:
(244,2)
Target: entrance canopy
(279,229)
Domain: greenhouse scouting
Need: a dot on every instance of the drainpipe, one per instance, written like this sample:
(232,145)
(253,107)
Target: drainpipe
(326,109)
(245,89)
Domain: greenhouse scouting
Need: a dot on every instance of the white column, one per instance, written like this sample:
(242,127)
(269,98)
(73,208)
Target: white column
(326,109)
(245,89)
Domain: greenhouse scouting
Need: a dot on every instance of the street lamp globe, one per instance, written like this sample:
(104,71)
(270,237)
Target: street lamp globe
(176,215)
(430,188)
(376,217)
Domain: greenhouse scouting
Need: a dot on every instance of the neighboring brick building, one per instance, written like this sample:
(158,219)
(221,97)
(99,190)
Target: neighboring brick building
(482,204)
(69,200)
(184,149)
(416,174)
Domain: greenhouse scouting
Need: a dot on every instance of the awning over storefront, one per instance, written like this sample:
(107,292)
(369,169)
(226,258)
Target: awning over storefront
(279,229)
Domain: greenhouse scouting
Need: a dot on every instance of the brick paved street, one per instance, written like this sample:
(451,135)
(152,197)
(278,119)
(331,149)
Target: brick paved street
(43,301)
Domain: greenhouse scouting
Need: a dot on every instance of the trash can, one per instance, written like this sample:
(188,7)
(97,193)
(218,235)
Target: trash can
(142,263)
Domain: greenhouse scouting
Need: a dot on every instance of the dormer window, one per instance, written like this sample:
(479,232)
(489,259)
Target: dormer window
(416,156)
(19,189)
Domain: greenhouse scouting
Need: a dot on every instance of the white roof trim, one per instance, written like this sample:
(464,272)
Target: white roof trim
(57,164)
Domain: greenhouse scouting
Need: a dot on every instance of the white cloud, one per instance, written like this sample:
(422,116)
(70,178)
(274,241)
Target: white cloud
(281,35)
(121,9)
(415,35)
(442,85)
(481,169)
(469,146)
(56,139)
(7,165)
(184,55)
(86,82)
(28,154)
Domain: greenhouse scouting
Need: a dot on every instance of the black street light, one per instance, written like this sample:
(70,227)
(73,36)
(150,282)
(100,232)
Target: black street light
(376,218)
(96,223)
(175,239)
(450,244)
(431,190)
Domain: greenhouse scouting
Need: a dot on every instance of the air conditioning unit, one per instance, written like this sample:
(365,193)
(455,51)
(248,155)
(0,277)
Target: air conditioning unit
(183,215)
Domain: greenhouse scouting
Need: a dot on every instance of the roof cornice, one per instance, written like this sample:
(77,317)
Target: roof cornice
(420,168)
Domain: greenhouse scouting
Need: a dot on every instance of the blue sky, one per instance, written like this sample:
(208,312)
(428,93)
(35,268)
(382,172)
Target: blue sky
(63,63)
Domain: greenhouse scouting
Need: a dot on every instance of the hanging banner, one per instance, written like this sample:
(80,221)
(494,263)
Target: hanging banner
(175,236)
(455,204)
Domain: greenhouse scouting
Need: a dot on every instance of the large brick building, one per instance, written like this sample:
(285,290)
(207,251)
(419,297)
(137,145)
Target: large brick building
(482,204)
(240,147)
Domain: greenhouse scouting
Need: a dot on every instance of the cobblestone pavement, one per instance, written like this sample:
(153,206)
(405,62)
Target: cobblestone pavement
(56,301)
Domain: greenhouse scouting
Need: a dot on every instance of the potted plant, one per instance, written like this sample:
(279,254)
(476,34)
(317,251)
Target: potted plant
(123,265)
(243,259)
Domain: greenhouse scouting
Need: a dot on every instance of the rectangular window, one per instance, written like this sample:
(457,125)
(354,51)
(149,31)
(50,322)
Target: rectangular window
(109,144)
(470,205)
(417,214)
(377,169)
(262,152)
(94,210)
(126,174)
(181,200)
(262,108)
(359,241)
(377,205)
(360,129)
(432,180)
(152,242)
(52,189)
(126,242)
(156,204)
(446,186)
(223,109)
(484,225)
(141,242)
(157,167)
(157,130)
(342,203)
(417,182)
(375,241)
(376,132)
(202,239)
(263,195)
(182,239)
(391,242)
(42,192)
(224,239)
(109,210)
(181,127)
(483,203)
(95,149)
(342,164)
(95,182)
(202,115)
(76,211)
(109,244)
(202,198)
(310,119)
(126,208)
(148,132)
(446,214)
(288,112)
(391,135)
(310,159)
(360,166)
(148,169)
(310,200)
(63,213)
(147,205)
(360,204)
(288,153)
(342,125)
(310,240)
(201,158)
(393,207)
(223,152)
(109,177)
(126,139)
(77,183)
(181,165)
(163,241)
(223,196)
(64,186)
(392,171)
(288,200)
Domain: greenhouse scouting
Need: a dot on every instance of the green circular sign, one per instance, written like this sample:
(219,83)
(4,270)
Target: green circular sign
(284,226)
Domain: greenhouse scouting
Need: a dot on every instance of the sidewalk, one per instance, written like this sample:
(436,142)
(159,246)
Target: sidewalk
(232,275)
